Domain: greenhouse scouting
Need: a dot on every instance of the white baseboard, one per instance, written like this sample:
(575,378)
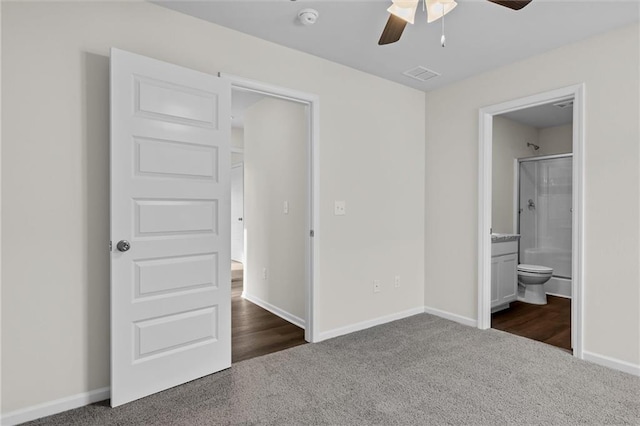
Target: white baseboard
(368,324)
(558,287)
(452,317)
(614,363)
(54,407)
(274,310)
(564,296)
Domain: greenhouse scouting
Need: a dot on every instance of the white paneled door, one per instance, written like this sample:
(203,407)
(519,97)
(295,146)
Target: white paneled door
(170,226)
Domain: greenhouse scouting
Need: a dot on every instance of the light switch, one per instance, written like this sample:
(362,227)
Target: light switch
(340,208)
(286,207)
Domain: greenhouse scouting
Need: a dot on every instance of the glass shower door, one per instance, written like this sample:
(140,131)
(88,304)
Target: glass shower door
(545,216)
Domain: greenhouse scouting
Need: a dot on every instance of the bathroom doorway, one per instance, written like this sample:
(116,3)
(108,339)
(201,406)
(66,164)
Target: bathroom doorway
(531,203)
(543,211)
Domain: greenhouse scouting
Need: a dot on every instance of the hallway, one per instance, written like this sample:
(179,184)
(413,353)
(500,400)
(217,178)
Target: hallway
(254,330)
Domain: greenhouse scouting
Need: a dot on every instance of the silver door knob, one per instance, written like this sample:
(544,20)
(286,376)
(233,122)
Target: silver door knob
(123,245)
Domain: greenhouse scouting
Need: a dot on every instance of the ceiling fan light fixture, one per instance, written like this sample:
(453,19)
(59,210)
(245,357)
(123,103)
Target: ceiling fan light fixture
(405,10)
(435,9)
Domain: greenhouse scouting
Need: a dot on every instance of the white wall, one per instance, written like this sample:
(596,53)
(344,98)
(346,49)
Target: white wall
(237,137)
(237,141)
(556,139)
(608,65)
(510,140)
(55,190)
(276,171)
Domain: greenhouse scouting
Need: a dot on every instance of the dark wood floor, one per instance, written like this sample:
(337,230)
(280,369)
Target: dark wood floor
(550,323)
(256,331)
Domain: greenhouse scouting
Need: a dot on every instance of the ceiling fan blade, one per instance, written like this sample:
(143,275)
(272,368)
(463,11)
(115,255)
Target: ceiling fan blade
(393,30)
(512,4)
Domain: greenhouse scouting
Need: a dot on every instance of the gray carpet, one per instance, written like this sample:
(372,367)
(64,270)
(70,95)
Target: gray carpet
(417,371)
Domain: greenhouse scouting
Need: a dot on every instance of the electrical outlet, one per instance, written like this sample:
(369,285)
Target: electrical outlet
(264,273)
(376,286)
(340,208)
(396,281)
(286,207)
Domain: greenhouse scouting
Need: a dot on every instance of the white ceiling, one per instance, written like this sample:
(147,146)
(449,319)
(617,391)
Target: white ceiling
(480,35)
(542,116)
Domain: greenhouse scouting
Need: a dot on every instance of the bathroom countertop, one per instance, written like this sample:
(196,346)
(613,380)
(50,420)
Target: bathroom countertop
(501,238)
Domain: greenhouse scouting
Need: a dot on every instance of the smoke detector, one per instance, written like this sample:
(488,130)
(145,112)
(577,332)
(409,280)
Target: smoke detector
(308,16)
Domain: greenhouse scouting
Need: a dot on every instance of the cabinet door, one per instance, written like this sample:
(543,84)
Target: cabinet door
(507,278)
(494,281)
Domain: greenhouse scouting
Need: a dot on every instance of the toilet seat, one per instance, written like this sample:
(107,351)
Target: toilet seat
(535,269)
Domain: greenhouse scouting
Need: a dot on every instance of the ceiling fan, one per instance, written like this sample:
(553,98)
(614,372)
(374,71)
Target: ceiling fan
(402,12)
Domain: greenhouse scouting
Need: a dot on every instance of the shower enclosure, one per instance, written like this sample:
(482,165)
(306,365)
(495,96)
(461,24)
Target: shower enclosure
(545,217)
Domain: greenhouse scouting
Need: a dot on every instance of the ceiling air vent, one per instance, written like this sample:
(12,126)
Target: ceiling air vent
(421,73)
(564,104)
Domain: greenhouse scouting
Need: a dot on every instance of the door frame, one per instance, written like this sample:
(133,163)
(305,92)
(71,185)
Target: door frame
(312,103)
(486,114)
(244,238)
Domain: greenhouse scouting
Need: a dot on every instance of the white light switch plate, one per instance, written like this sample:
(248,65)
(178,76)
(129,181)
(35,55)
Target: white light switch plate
(286,207)
(340,208)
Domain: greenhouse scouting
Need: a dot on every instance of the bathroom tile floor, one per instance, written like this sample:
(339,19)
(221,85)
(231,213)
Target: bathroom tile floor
(550,323)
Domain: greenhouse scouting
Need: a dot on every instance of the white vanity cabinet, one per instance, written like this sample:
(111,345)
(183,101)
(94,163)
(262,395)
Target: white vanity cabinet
(504,273)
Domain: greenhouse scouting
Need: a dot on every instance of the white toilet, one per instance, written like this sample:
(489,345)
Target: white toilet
(531,279)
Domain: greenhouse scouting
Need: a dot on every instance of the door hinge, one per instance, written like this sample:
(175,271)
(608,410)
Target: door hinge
(311,233)
(110,246)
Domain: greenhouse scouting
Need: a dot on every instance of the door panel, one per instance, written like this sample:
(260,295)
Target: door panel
(159,276)
(508,279)
(527,219)
(170,198)
(167,101)
(169,159)
(175,331)
(159,218)
(494,281)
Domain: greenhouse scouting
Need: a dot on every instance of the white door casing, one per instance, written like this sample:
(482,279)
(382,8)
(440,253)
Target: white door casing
(237,213)
(170,198)
(486,114)
(312,102)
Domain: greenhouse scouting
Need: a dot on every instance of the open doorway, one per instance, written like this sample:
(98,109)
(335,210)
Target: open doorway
(270,216)
(531,210)
(532,164)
